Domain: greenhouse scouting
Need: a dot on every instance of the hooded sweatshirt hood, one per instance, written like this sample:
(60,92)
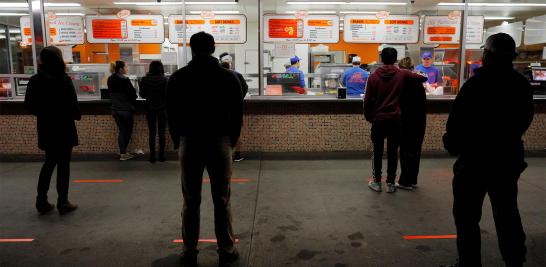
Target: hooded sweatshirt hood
(387,71)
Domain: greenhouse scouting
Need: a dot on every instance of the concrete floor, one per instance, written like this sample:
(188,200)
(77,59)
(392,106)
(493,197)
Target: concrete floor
(289,213)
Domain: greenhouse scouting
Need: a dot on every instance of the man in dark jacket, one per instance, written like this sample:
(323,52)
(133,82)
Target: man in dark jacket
(382,109)
(489,116)
(204,111)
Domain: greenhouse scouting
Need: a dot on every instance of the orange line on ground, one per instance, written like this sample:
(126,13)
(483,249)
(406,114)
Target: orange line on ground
(99,181)
(16,240)
(202,241)
(413,237)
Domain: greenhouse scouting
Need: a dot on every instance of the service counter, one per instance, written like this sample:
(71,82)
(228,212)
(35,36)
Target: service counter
(271,124)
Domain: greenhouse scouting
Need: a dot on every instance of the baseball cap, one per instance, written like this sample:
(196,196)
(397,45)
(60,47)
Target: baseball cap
(294,60)
(426,55)
(356,59)
(226,58)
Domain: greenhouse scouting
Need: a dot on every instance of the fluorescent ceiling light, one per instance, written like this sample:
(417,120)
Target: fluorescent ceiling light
(216,12)
(358,12)
(495,4)
(349,3)
(498,18)
(69,14)
(313,12)
(173,3)
(62,4)
(45,4)
(13,14)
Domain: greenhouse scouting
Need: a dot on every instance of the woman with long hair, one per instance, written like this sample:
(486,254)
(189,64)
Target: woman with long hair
(153,87)
(51,97)
(123,97)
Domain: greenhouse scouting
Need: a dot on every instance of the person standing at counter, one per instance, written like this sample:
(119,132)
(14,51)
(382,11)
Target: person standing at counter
(51,97)
(295,68)
(124,97)
(382,109)
(153,88)
(355,78)
(413,102)
(227,62)
(492,111)
(432,72)
(205,112)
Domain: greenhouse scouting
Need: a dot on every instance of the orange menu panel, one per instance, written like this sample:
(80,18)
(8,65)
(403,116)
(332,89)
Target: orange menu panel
(365,21)
(225,21)
(317,22)
(284,28)
(191,21)
(441,30)
(441,38)
(143,22)
(26,31)
(108,28)
(399,22)
(52,31)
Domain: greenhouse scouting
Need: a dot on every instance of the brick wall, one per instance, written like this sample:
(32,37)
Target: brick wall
(262,132)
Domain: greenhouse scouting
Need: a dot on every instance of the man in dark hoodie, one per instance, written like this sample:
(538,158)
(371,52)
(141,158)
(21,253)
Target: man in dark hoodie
(204,111)
(382,109)
(489,116)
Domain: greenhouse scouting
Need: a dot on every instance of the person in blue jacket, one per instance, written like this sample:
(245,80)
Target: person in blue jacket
(355,78)
(432,72)
(295,68)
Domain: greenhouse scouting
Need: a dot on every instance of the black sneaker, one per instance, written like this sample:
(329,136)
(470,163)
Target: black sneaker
(44,207)
(189,259)
(237,157)
(226,259)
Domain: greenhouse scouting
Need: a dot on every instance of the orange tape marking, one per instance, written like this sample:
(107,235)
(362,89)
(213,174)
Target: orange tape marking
(16,240)
(413,237)
(202,241)
(98,181)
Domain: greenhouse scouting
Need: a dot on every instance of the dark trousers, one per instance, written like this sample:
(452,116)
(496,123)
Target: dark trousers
(382,130)
(156,126)
(470,185)
(124,121)
(410,155)
(59,157)
(214,153)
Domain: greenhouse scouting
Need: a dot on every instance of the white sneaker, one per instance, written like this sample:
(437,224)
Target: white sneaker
(391,188)
(126,156)
(139,151)
(375,186)
(404,187)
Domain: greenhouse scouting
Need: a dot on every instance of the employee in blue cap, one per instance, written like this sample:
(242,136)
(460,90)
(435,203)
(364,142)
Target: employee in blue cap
(433,73)
(295,68)
(355,78)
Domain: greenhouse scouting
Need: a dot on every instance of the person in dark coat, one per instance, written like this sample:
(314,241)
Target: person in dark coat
(51,97)
(153,88)
(382,109)
(492,111)
(227,62)
(413,101)
(123,97)
(205,111)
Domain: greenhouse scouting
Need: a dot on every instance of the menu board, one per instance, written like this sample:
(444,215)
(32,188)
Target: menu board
(535,30)
(132,29)
(446,30)
(226,29)
(63,30)
(394,29)
(308,29)
(513,29)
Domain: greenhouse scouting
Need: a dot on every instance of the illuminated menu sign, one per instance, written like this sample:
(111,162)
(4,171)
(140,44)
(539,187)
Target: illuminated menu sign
(394,29)
(446,30)
(513,29)
(132,29)
(226,29)
(535,30)
(63,30)
(308,29)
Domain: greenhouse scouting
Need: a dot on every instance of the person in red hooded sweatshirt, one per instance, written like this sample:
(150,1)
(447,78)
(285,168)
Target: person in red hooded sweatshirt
(382,109)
